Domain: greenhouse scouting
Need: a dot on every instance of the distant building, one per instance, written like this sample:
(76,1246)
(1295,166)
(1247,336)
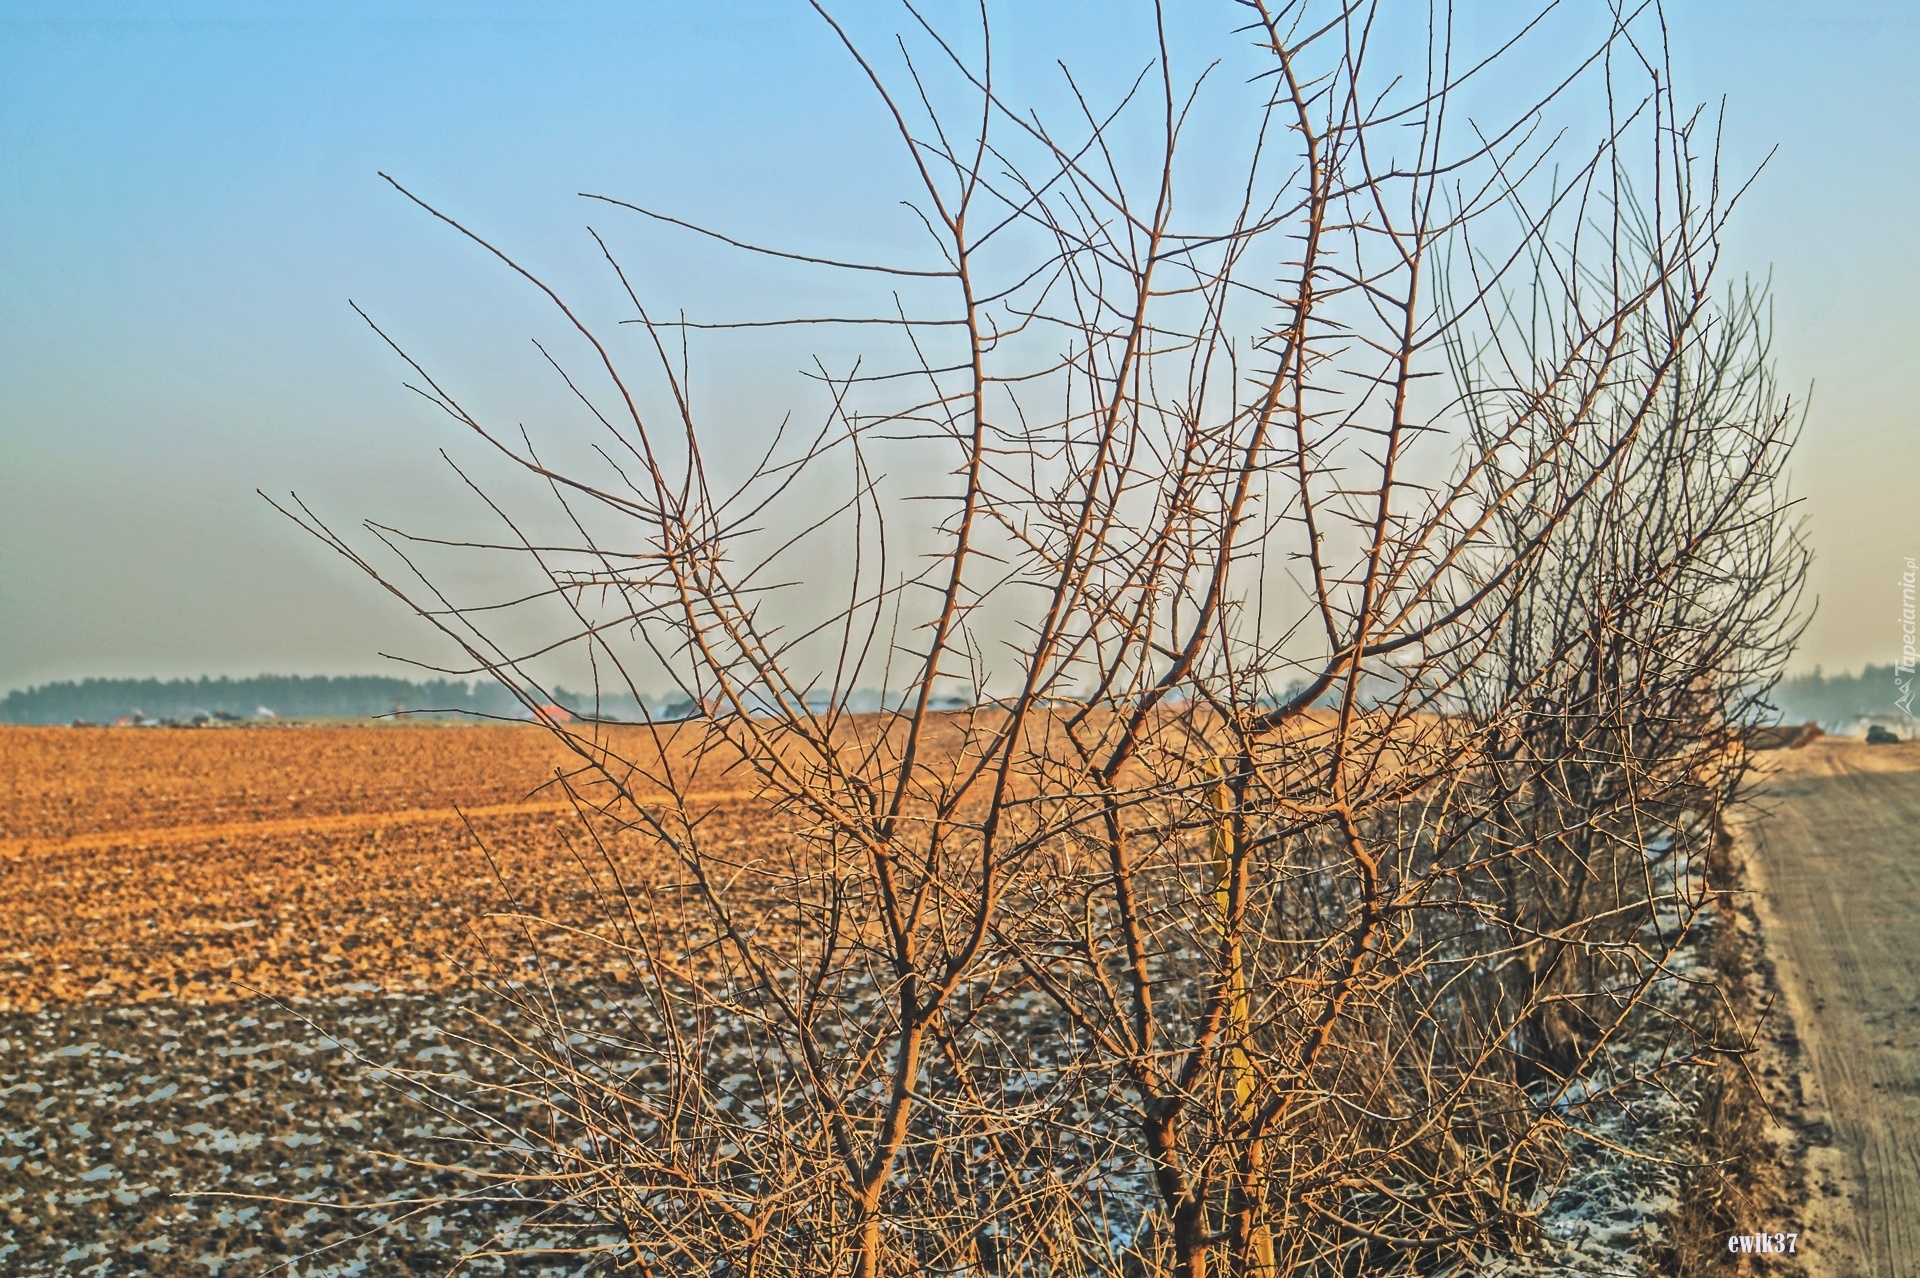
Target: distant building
(1882,727)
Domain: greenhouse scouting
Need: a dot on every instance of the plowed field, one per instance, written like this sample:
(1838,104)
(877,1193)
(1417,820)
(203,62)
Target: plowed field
(138,864)
(214,942)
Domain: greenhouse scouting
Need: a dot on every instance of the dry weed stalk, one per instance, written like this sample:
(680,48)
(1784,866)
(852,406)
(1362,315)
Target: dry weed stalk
(1361,586)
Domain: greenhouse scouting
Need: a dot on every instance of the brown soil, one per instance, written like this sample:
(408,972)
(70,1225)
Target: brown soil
(1834,859)
(213,946)
(206,866)
(58,783)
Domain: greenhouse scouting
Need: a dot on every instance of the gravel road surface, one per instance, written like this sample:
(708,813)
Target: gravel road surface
(1836,862)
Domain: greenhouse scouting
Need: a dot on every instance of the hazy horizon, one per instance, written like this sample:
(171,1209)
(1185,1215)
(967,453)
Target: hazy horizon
(192,197)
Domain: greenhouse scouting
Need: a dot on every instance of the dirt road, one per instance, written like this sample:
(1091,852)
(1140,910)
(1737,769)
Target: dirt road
(1836,863)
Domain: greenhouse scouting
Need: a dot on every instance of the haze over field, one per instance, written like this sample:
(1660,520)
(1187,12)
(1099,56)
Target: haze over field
(191,198)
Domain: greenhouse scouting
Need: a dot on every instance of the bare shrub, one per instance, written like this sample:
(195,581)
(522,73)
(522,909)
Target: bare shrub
(1361,591)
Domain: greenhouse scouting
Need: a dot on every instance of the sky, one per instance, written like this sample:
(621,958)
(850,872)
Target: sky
(189,197)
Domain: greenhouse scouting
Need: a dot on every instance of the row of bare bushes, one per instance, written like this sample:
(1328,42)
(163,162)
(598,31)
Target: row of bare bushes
(1359,527)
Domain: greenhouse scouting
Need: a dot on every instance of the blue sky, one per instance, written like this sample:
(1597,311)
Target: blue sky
(188,197)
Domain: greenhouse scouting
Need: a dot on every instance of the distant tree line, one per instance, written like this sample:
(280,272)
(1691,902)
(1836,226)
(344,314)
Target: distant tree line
(1835,701)
(298,696)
